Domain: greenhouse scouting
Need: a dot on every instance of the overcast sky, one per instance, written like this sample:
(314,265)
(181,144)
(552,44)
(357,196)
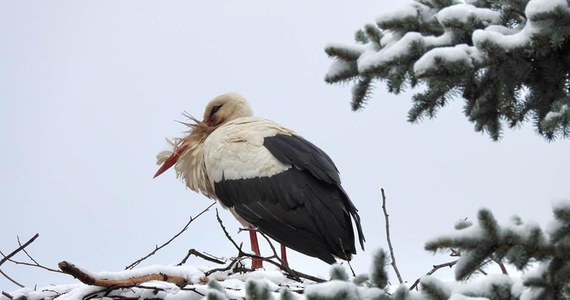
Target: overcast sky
(90,89)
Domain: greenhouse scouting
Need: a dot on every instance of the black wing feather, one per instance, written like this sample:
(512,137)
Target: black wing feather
(295,150)
(295,209)
(304,207)
(304,155)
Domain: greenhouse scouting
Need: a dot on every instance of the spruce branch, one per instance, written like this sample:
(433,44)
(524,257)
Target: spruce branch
(457,47)
(433,270)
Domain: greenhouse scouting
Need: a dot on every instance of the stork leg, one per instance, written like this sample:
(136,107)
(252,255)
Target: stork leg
(256,263)
(284,255)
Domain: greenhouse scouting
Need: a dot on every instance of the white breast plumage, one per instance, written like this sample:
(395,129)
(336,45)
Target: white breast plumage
(235,150)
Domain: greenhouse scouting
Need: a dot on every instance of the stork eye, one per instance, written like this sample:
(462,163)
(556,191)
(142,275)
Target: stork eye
(215,109)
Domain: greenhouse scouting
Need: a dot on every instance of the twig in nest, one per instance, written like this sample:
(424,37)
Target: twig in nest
(201,255)
(91,279)
(283,264)
(433,270)
(11,279)
(294,274)
(392,256)
(134,264)
(226,268)
(34,264)
(7,257)
(106,292)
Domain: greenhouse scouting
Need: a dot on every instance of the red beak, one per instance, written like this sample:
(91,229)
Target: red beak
(169,162)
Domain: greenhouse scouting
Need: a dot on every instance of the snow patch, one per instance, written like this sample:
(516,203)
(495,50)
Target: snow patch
(466,55)
(535,7)
(408,11)
(556,114)
(463,12)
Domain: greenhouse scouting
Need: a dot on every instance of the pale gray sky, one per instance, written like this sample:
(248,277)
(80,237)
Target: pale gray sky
(91,89)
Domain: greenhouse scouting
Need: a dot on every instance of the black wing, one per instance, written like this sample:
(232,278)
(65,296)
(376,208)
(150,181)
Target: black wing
(304,155)
(304,207)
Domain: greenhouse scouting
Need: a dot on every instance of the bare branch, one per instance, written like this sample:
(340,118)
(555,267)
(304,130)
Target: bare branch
(35,265)
(7,257)
(201,255)
(7,295)
(11,279)
(501,265)
(134,264)
(295,274)
(392,256)
(433,270)
(285,266)
(90,279)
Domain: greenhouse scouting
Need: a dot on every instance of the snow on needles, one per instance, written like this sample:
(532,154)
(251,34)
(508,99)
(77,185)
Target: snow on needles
(535,7)
(463,12)
(466,56)
(400,43)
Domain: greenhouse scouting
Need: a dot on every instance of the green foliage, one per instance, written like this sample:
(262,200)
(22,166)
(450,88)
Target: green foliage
(379,276)
(361,280)
(257,290)
(435,289)
(338,273)
(522,245)
(541,256)
(216,291)
(509,60)
(286,294)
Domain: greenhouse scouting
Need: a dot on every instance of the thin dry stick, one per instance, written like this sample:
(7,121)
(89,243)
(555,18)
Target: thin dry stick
(285,266)
(241,254)
(89,279)
(393,257)
(35,264)
(11,279)
(435,268)
(134,264)
(501,265)
(201,255)
(7,257)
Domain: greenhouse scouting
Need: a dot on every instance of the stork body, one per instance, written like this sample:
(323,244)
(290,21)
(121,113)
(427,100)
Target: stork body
(269,178)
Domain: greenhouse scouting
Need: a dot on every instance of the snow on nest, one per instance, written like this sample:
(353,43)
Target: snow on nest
(233,284)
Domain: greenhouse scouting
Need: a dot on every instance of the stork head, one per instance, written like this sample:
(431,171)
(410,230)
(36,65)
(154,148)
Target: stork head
(185,153)
(225,108)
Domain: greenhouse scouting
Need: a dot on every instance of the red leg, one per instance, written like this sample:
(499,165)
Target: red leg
(284,255)
(256,263)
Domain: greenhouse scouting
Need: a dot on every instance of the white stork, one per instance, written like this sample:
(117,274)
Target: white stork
(269,177)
